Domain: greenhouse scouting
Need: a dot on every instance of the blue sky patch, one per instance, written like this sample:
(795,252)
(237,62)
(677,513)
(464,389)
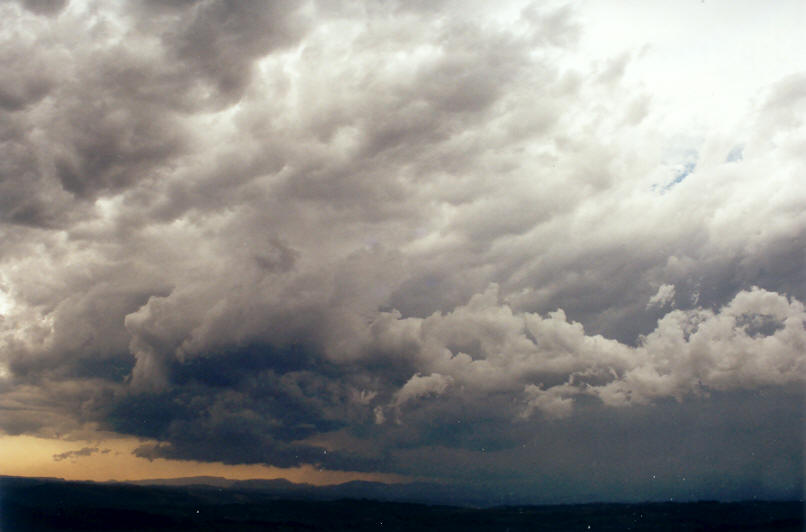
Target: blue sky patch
(735,154)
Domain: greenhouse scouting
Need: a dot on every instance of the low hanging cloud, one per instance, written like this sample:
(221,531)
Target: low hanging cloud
(367,237)
(85,451)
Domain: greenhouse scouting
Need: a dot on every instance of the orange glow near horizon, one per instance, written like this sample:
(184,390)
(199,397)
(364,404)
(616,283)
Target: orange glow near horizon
(29,456)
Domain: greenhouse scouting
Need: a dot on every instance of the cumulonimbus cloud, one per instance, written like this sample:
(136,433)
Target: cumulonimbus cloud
(254,233)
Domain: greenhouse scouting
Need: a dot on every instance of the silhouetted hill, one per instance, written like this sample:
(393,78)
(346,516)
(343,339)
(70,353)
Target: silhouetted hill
(51,505)
(418,492)
(218,482)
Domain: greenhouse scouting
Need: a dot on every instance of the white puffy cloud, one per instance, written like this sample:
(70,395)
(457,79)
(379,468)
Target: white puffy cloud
(419,386)
(663,297)
(755,340)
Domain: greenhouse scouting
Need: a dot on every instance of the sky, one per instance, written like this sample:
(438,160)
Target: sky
(552,250)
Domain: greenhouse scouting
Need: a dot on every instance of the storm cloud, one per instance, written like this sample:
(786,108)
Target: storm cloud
(84,451)
(433,239)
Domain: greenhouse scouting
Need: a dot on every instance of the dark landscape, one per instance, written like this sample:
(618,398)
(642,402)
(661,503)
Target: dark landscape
(51,504)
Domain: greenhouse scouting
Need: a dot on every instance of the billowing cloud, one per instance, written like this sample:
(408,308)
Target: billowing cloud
(388,236)
(419,386)
(663,297)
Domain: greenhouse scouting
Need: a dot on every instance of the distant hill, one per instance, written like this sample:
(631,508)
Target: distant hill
(420,492)
(44,505)
(218,482)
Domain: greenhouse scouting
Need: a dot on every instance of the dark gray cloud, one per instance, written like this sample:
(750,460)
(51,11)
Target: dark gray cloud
(44,7)
(84,451)
(222,39)
(424,239)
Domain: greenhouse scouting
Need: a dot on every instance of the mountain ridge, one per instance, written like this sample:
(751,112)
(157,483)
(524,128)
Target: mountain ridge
(30,504)
(416,491)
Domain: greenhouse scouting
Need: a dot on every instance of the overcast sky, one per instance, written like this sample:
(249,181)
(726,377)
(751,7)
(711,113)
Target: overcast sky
(553,250)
